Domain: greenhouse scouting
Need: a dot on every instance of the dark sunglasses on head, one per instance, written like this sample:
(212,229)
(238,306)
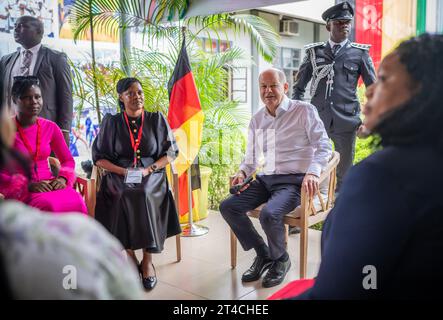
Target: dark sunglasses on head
(32,79)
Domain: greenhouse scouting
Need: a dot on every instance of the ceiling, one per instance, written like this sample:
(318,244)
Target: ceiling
(206,7)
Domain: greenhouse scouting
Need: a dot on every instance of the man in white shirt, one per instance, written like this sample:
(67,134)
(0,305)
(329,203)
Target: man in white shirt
(291,138)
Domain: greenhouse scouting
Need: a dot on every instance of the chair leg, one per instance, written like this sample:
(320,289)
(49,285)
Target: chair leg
(179,247)
(233,250)
(92,197)
(303,251)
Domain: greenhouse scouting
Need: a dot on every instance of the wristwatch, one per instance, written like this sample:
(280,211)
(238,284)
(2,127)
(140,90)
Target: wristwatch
(154,167)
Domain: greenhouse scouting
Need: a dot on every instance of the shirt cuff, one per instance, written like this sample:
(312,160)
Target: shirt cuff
(314,169)
(248,171)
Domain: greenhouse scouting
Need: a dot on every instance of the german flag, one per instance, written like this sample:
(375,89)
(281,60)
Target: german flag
(185,117)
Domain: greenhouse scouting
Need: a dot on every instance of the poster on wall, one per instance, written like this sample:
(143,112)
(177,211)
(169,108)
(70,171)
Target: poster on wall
(11,10)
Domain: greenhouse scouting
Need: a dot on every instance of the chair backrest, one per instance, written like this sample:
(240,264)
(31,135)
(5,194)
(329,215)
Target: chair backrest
(316,209)
(96,177)
(83,186)
(95,182)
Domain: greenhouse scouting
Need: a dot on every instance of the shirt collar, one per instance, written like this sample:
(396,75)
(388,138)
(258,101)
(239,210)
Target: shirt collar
(342,44)
(34,49)
(282,107)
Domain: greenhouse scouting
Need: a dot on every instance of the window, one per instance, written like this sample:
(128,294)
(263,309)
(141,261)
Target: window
(239,79)
(288,58)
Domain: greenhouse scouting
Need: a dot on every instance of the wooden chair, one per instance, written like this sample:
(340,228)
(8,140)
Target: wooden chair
(84,187)
(94,187)
(81,185)
(311,211)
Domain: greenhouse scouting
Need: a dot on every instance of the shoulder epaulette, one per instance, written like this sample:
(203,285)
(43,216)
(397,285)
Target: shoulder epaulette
(313,45)
(361,45)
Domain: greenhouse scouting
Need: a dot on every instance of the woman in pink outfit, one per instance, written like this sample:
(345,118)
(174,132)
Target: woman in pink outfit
(35,139)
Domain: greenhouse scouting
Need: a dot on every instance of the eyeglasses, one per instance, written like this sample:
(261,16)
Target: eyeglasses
(32,79)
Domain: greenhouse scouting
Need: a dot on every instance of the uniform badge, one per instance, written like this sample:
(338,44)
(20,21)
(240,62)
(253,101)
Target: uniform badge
(345,6)
(320,60)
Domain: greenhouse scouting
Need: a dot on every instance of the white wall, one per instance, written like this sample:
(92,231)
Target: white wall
(431,17)
(439,14)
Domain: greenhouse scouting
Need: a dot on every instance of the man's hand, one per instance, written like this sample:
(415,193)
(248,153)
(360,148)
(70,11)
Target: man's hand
(238,179)
(42,186)
(310,184)
(58,183)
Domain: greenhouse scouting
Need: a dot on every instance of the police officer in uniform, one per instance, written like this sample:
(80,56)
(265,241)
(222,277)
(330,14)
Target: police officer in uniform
(334,67)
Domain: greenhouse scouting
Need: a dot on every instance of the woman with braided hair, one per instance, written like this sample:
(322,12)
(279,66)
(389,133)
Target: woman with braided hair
(384,237)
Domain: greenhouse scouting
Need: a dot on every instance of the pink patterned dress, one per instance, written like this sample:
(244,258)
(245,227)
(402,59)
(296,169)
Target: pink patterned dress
(14,184)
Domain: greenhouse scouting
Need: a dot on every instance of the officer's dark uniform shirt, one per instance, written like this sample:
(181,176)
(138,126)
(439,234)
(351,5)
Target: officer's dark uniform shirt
(336,100)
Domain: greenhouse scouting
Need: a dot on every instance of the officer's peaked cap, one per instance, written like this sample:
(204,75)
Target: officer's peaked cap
(341,11)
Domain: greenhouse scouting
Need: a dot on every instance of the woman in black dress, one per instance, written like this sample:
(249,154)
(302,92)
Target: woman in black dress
(134,201)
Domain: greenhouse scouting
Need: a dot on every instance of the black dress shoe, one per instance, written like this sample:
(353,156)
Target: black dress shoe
(259,266)
(150,282)
(276,273)
(293,230)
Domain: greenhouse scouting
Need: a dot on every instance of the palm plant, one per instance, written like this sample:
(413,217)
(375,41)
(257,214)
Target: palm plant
(154,20)
(153,68)
(223,138)
(150,17)
(103,78)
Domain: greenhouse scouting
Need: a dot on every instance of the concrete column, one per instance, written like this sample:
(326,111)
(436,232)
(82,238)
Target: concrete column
(125,48)
(439,16)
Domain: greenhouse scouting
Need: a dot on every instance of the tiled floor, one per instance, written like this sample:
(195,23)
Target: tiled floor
(205,272)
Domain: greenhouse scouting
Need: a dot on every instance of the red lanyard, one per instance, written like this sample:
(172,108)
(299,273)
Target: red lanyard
(28,145)
(136,143)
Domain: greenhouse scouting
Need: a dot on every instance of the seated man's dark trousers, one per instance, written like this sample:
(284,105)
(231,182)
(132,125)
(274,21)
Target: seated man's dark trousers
(282,194)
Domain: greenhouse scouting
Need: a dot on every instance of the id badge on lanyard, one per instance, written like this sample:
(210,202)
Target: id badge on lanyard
(134,175)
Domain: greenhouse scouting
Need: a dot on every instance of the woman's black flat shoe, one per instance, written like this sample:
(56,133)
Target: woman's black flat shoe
(150,282)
